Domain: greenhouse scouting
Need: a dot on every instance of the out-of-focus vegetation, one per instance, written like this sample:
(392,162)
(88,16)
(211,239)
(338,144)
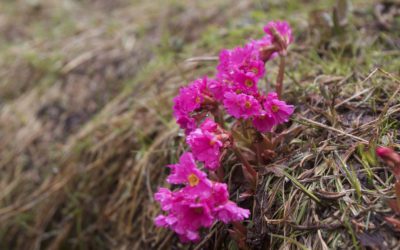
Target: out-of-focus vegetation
(86,126)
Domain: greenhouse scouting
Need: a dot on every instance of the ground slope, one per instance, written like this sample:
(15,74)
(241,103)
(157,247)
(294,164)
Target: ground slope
(86,127)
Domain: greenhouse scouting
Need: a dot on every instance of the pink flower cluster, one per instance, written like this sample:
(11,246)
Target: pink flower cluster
(199,202)
(235,85)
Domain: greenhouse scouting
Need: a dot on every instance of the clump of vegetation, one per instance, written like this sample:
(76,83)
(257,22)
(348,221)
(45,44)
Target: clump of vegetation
(203,201)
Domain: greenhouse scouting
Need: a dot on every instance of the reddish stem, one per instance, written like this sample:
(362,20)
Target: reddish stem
(252,174)
(220,173)
(281,74)
(240,232)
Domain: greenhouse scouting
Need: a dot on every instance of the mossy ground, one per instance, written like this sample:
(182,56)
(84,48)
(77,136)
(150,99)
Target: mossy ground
(86,126)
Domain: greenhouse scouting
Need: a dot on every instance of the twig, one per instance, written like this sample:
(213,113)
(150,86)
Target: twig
(334,129)
(353,96)
(202,59)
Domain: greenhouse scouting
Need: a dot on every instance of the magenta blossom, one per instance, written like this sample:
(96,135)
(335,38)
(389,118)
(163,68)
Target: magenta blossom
(263,123)
(186,213)
(241,68)
(186,122)
(205,145)
(189,209)
(189,100)
(190,97)
(217,88)
(265,41)
(241,105)
(210,126)
(186,172)
(278,110)
(265,47)
(283,29)
(224,209)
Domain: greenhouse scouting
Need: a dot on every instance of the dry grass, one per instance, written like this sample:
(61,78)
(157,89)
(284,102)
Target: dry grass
(86,127)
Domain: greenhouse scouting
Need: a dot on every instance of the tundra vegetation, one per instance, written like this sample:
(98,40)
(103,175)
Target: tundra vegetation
(87,124)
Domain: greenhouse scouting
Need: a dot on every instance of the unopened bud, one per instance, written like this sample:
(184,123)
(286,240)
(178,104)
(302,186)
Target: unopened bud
(391,158)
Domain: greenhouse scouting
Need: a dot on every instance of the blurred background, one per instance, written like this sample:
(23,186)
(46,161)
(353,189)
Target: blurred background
(85,101)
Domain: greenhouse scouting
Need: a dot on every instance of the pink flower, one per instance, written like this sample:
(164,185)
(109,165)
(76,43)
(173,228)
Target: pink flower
(190,209)
(186,214)
(241,105)
(278,110)
(190,97)
(217,88)
(209,125)
(229,212)
(263,123)
(189,100)
(265,41)
(241,68)
(205,145)
(164,197)
(186,122)
(283,29)
(186,172)
(265,47)
(224,209)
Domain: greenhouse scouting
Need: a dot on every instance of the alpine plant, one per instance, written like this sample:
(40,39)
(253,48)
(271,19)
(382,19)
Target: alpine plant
(210,111)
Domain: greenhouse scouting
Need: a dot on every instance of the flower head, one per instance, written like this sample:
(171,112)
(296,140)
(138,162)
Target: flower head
(241,68)
(278,110)
(205,145)
(224,209)
(186,122)
(282,29)
(217,88)
(189,100)
(186,172)
(241,105)
(186,214)
(209,125)
(263,123)
(189,210)
(266,48)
